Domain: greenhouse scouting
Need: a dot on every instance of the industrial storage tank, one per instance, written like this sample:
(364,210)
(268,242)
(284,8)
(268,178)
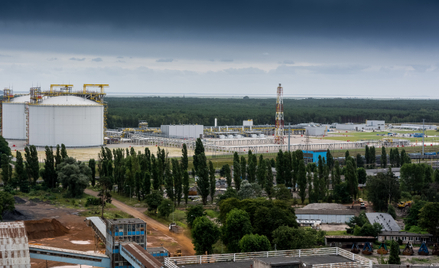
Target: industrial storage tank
(69,120)
(14,118)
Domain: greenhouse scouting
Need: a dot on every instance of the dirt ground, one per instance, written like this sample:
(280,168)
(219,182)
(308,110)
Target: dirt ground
(80,236)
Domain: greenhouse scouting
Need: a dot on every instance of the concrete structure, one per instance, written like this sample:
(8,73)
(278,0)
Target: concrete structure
(325,212)
(316,130)
(14,248)
(68,120)
(405,237)
(137,256)
(376,124)
(123,231)
(384,219)
(182,131)
(350,127)
(14,118)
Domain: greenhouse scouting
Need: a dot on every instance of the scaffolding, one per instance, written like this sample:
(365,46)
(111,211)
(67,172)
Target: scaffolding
(8,94)
(279,130)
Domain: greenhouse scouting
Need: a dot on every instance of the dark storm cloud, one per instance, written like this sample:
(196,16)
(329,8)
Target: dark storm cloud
(384,20)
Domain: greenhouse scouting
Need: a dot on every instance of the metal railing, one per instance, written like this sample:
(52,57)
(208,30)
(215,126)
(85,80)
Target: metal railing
(357,260)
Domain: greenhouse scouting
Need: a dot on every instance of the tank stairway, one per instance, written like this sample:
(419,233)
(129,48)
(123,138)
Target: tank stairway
(69,256)
(138,257)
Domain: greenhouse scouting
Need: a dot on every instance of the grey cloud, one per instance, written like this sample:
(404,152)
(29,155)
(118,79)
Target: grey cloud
(52,59)
(288,62)
(122,61)
(77,59)
(164,60)
(245,71)
(5,56)
(227,60)
(97,59)
(420,68)
(120,57)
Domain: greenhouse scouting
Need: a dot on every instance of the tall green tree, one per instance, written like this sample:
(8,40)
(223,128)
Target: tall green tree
(360,162)
(361,175)
(236,226)
(146,190)
(155,173)
(351,177)
(237,175)
(412,177)
(244,168)
(302,180)
(92,166)
(58,158)
(49,175)
(269,182)
(32,165)
(367,155)
(64,154)
(337,174)
(251,169)
(4,147)
(199,149)
(194,212)
(280,172)
(169,182)
(394,253)
(287,166)
(184,158)
(429,218)
(185,185)
(382,190)
(178,180)
(228,175)
(372,156)
(20,174)
(202,172)
(104,194)
(329,159)
(261,175)
(153,200)
(6,170)
(205,233)
(383,159)
(212,181)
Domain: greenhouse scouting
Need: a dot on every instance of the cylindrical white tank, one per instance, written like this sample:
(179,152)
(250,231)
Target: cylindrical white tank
(14,118)
(68,120)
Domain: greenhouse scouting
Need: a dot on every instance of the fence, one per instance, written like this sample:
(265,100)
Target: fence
(359,261)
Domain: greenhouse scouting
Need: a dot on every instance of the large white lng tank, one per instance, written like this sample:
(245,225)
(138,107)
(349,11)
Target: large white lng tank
(71,120)
(14,118)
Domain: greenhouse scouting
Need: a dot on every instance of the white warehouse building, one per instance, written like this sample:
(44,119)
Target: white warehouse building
(182,131)
(69,120)
(14,118)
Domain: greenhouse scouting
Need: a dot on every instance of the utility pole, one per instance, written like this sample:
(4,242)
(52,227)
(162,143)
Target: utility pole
(423,134)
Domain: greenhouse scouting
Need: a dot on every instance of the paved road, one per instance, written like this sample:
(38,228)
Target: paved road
(185,243)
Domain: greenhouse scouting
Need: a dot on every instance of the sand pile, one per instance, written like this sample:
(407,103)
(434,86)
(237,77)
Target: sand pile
(45,228)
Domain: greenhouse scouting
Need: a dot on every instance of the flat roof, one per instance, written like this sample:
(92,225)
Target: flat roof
(309,260)
(125,221)
(75,252)
(403,234)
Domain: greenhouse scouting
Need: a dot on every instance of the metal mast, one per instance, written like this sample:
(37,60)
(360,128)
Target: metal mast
(279,131)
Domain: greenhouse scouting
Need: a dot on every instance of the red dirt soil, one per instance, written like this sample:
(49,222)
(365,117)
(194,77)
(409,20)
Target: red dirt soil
(45,228)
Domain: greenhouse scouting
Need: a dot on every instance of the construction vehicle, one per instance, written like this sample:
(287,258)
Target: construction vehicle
(382,250)
(423,250)
(178,253)
(363,205)
(408,250)
(435,249)
(367,249)
(403,204)
(355,248)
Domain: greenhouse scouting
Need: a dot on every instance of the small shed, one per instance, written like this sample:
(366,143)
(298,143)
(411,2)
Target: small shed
(346,241)
(405,237)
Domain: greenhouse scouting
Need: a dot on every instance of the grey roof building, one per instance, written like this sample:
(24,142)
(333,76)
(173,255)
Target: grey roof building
(385,220)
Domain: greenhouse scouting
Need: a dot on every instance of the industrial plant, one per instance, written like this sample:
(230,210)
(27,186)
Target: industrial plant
(57,116)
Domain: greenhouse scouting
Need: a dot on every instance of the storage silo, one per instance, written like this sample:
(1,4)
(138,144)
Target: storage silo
(14,118)
(69,120)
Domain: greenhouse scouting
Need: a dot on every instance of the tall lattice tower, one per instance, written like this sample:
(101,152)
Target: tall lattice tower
(279,131)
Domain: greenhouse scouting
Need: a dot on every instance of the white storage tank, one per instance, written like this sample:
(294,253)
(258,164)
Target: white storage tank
(14,118)
(69,120)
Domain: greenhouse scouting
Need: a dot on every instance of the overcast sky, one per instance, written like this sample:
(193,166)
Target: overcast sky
(314,48)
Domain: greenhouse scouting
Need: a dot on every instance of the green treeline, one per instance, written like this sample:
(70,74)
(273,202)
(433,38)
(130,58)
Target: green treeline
(126,112)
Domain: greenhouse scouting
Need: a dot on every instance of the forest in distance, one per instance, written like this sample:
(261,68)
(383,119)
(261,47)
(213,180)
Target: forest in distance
(127,111)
